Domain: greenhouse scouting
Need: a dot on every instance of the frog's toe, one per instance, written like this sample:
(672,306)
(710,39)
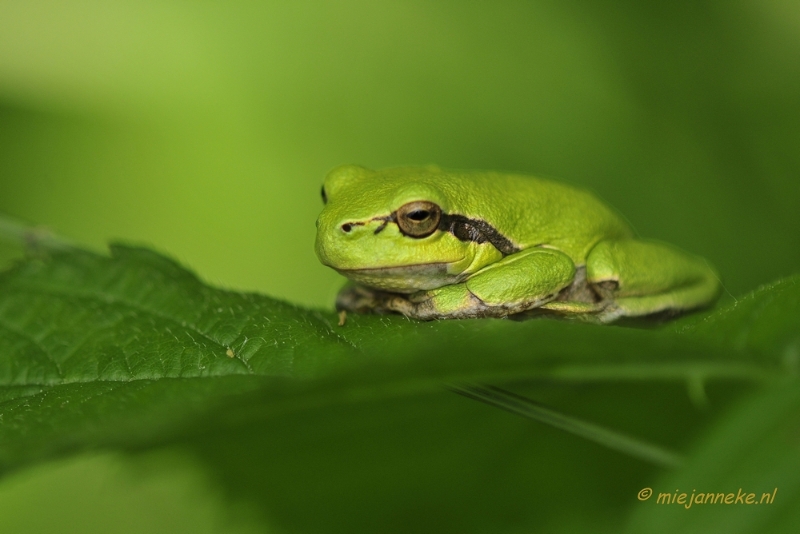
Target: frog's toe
(356,298)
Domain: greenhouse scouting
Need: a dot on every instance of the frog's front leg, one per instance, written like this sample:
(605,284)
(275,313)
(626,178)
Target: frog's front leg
(514,284)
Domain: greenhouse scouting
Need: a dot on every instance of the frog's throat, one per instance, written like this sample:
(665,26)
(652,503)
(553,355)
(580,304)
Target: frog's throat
(404,278)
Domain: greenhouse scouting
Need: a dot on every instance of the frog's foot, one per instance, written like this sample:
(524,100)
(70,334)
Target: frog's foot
(580,300)
(360,299)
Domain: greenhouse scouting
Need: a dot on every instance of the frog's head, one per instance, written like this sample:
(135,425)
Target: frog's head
(390,229)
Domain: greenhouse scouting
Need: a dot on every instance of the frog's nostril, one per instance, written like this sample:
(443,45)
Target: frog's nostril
(346,227)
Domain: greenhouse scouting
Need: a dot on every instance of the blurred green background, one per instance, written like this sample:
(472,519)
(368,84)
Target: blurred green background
(204,128)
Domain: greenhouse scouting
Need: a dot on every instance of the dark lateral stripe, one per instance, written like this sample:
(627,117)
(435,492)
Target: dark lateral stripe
(476,230)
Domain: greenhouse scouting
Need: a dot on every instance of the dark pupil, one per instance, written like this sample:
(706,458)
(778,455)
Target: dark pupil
(419,215)
(324,196)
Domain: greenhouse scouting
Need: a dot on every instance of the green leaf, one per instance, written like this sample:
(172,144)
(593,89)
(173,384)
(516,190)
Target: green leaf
(766,320)
(290,411)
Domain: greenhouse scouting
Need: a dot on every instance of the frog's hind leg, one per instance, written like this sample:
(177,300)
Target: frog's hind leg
(637,278)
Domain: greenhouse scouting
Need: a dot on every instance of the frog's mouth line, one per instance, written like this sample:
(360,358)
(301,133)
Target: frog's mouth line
(415,268)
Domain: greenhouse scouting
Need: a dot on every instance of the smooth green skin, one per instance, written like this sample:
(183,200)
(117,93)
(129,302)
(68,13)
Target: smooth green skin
(573,254)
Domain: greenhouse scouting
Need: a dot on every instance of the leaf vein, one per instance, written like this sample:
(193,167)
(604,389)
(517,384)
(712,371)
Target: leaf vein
(33,341)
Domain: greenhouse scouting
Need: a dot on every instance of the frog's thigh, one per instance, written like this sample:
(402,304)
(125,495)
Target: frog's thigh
(523,280)
(644,277)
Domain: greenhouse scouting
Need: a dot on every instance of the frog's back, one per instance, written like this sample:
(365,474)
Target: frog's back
(528,211)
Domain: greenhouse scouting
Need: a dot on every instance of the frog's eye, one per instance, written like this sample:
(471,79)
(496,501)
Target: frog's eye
(324,196)
(418,219)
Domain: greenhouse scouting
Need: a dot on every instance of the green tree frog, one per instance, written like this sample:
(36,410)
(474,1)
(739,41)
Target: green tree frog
(435,244)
